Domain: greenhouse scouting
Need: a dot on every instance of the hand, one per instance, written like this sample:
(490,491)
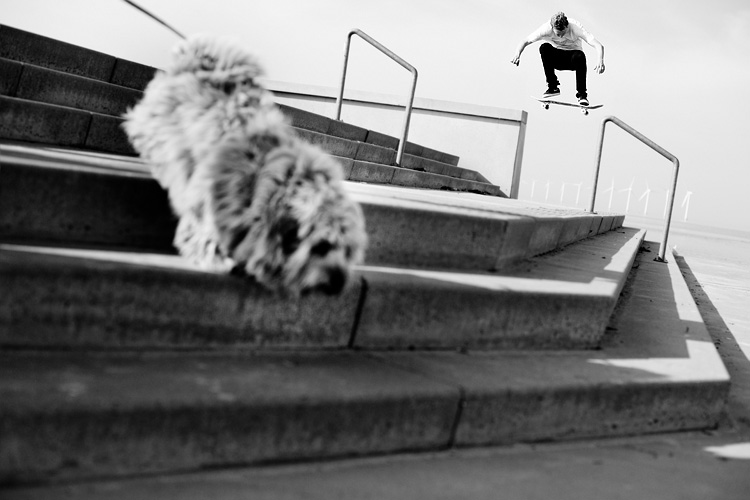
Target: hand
(515,60)
(599,68)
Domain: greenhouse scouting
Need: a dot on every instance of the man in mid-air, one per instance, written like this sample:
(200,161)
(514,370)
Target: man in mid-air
(563,51)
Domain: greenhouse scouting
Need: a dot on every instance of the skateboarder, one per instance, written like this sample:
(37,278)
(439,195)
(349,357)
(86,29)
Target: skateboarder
(563,51)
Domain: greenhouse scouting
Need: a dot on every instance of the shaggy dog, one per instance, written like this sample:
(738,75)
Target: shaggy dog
(250,196)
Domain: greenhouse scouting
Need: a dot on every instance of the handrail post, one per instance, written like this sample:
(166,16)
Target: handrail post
(340,98)
(598,165)
(648,142)
(400,61)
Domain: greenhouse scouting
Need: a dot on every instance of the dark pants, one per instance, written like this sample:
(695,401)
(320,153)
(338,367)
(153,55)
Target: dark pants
(571,60)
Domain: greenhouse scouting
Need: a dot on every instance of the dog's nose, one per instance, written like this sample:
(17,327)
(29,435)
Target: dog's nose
(335,283)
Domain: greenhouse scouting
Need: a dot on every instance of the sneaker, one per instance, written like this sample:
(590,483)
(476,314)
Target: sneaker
(551,92)
(583,101)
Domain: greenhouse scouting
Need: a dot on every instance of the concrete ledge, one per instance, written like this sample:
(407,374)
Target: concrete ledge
(54,297)
(97,415)
(67,298)
(577,290)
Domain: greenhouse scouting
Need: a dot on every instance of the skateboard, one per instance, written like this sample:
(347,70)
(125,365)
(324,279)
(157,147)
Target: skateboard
(584,109)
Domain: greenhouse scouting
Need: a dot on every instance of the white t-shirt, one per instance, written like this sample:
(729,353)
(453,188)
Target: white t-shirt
(571,40)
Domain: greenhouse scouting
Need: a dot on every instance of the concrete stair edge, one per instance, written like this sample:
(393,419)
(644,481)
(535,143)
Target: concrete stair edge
(39,50)
(128,209)
(67,298)
(338,404)
(54,123)
(112,94)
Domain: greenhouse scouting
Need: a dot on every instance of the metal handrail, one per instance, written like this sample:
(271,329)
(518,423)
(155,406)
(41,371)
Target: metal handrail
(648,142)
(399,60)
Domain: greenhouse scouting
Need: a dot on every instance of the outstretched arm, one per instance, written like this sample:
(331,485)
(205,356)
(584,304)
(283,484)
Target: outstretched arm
(517,58)
(599,68)
(589,38)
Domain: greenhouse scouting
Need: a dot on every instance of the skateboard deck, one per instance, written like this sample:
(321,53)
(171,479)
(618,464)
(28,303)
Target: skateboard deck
(584,109)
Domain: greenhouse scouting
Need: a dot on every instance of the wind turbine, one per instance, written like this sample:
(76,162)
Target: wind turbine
(686,204)
(629,190)
(578,191)
(646,194)
(532,188)
(546,194)
(562,192)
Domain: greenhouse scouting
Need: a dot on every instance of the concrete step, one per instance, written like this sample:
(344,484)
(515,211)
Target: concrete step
(67,298)
(41,69)
(336,128)
(59,121)
(38,84)
(36,122)
(124,207)
(373,153)
(80,415)
(27,47)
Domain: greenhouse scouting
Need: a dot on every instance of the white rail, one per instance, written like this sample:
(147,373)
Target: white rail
(648,142)
(399,60)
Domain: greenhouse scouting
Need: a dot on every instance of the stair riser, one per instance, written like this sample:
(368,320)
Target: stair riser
(373,173)
(37,84)
(22,120)
(554,415)
(54,87)
(335,128)
(58,302)
(31,121)
(443,317)
(44,205)
(81,207)
(265,409)
(53,301)
(54,68)
(49,53)
(196,414)
(57,298)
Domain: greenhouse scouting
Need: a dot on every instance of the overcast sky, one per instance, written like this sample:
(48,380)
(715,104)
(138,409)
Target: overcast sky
(677,70)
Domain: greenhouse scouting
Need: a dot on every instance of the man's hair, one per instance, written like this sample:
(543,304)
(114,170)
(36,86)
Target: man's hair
(559,21)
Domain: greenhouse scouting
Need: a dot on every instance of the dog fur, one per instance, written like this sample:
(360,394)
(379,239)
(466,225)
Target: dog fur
(250,196)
